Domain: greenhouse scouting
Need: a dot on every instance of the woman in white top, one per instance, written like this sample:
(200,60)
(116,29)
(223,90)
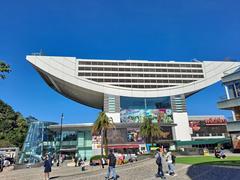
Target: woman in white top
(170,164)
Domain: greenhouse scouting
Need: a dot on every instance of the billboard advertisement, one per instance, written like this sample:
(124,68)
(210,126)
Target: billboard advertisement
(236,140)
(137,115)
(117,136)
(215,126)
(133,135)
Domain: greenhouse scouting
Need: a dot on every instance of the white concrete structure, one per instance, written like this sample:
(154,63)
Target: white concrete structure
(81,79)
(182,132)
(92,82)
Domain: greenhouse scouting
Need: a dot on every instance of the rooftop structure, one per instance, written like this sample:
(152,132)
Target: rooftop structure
(86,81)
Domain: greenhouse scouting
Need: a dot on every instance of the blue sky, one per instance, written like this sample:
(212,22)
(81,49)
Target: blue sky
(107,29)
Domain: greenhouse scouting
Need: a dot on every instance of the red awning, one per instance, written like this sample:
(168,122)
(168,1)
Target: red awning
(125,146)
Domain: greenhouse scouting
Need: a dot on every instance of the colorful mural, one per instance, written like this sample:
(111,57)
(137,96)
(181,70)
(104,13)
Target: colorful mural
(137,115)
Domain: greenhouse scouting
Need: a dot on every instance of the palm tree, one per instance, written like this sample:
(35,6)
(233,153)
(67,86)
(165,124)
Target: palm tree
(150,130)
(101,126)
(4,68)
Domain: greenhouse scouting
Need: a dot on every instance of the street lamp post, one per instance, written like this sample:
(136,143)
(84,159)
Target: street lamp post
(60,143)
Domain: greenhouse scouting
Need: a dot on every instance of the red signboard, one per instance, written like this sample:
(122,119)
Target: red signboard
(124,146)
(215,121)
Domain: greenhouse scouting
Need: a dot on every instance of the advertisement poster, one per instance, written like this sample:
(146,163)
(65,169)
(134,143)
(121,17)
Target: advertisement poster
(166,133)
(236,141)
(215,126)
(134,135)
(137,115)
(96,142)
(196,125)
(117,136)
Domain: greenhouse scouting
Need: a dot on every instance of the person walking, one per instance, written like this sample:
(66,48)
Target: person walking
(103,162)
(169,159)
(159,159)
(47,167)
(111,166)
(76,160)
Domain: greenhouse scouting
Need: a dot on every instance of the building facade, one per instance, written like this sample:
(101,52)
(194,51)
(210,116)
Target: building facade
(77,139)
(231,82)
(129,90)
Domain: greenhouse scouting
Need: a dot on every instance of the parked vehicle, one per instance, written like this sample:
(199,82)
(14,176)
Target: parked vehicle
(130,157)
(11,160)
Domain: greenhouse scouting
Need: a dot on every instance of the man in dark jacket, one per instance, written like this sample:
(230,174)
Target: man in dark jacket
(159,164)
(111,165)
(47,167)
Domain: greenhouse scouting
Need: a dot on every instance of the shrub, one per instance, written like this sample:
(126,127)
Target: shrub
(97,157)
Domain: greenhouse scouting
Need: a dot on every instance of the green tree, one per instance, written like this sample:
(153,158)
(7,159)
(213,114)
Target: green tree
(101,126)
(13,127)
(150,130)
(4,68)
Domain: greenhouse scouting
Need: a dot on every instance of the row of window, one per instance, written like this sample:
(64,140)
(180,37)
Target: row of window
(147,104)
(139,69)
(143,86)
(234,89)
(140,80)
(141,75)
(207,134)
(138,64)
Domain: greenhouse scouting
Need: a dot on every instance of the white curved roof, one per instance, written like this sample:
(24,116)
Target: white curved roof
(86,81)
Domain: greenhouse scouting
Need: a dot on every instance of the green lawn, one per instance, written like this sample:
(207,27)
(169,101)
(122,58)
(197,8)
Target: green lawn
(209,160)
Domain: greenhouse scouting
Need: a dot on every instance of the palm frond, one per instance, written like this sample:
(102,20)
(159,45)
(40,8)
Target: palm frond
(150,130)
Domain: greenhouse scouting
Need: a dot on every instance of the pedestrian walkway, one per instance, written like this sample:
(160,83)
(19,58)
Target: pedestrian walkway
(141,170)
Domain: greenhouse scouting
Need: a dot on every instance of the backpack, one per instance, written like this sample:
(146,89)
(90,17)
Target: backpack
(159,160)
(173,159)
(114,160)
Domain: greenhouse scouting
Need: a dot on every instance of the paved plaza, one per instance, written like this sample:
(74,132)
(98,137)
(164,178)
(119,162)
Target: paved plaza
(142,170)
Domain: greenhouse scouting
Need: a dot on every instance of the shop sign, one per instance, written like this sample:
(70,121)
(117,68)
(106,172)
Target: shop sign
(215,121)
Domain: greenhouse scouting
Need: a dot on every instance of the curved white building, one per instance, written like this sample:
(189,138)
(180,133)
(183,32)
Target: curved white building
(117,85)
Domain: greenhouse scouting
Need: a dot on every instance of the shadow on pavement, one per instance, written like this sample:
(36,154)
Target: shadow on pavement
(212,171)
(54,177)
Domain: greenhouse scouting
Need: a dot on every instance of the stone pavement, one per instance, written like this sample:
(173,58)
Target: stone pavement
(141,170)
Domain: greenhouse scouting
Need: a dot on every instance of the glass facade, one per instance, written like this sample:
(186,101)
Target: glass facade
(41,139)
(33,147)
(133,110)
(234,89)
(69,136)
(84,144)
(145,103)
(74,143)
